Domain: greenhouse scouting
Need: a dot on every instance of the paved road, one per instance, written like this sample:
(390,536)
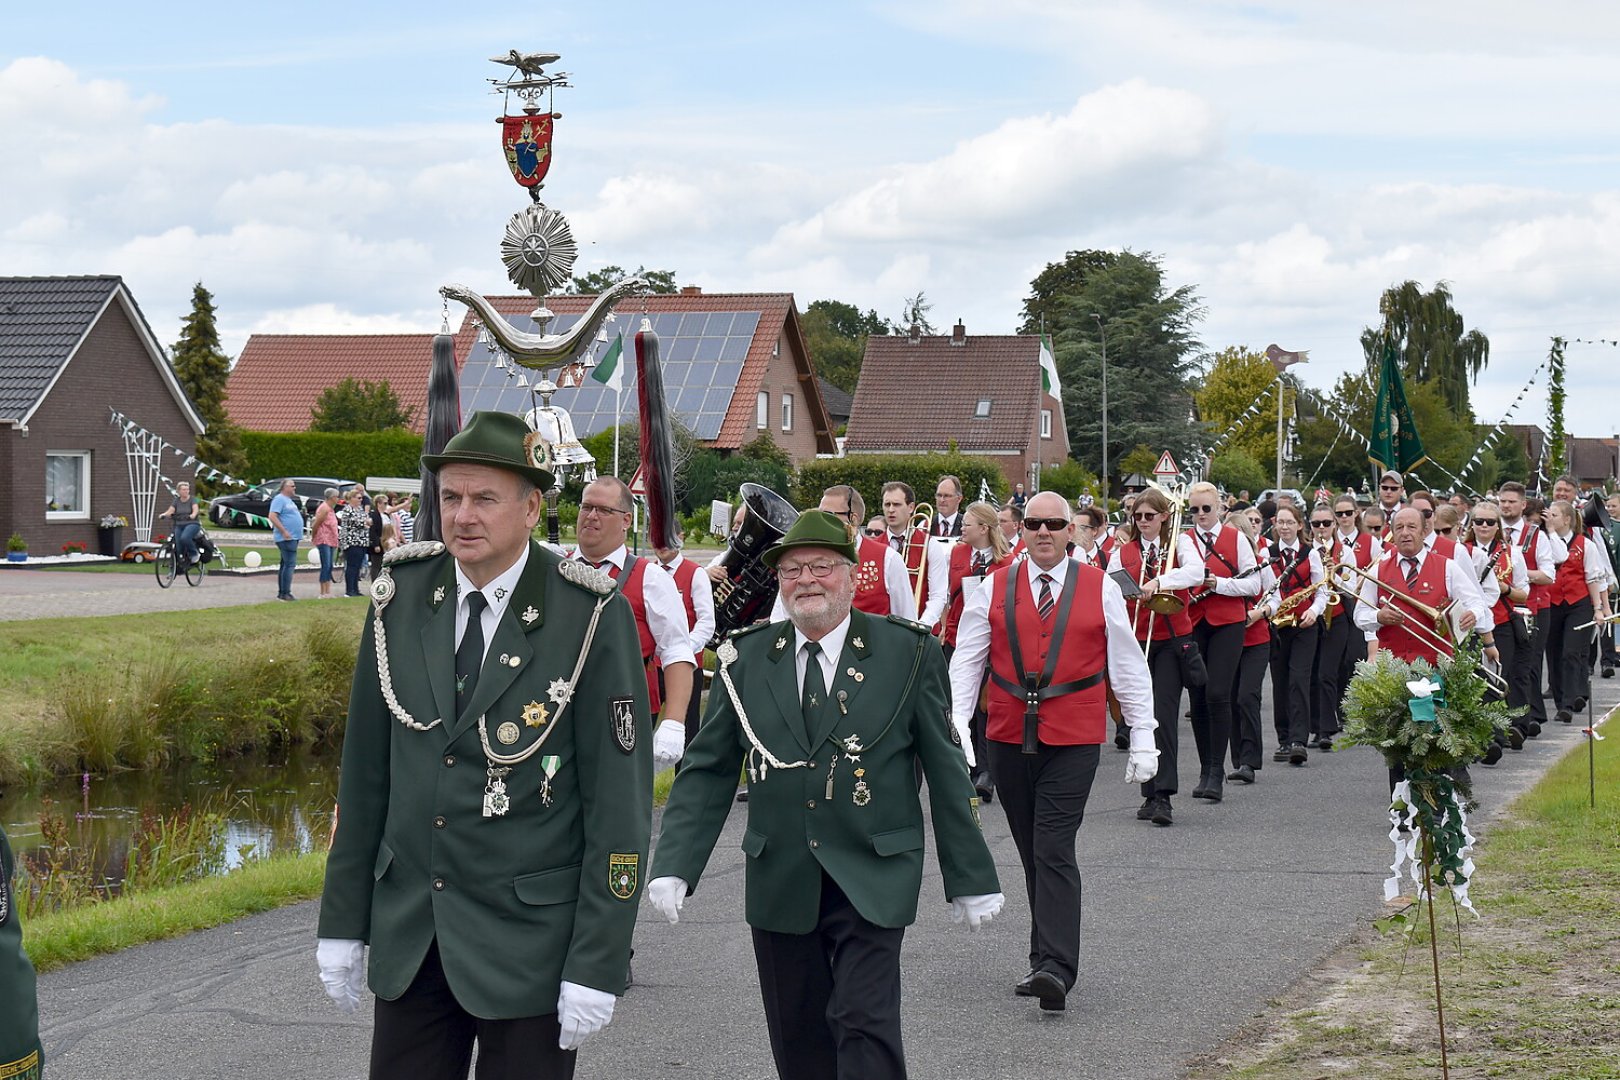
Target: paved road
(1188,932)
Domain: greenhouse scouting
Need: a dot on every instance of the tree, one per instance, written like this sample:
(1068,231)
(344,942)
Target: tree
(914,315)
(1238,471)
(836,333)
(1234,383)
(1434,346)
(1152,351)
(1140,460)
(352,405)
(202,368)
(599,281)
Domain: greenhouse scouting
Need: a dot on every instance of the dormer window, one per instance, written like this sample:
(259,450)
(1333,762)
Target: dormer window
(981,411)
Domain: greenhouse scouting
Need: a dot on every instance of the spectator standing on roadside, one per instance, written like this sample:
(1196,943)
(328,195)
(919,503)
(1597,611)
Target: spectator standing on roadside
(374,539)
(287,519)
(323,533)
(404,519)
(354,531)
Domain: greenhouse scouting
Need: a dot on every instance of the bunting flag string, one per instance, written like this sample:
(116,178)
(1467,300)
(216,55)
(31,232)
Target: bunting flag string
(1209,452)
(1496,430)
(985,494)
(1345,428)
(198,468)
(1594,341)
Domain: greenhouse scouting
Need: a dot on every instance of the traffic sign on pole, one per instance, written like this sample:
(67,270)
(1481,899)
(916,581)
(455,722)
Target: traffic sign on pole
(1167,466)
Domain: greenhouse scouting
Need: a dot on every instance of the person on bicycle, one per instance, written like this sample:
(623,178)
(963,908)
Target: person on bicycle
(186,524)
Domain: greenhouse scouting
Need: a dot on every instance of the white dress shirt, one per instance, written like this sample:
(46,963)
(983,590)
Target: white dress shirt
(1474,593)
(1287,553)
(1234,585)
(1188,572)
(702,604)
(666,614)
(496,596)
(1596,566)
(832,644)
(1457,582)
(1128,674)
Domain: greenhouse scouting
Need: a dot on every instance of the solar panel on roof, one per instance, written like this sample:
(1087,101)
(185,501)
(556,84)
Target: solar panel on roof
(702,354)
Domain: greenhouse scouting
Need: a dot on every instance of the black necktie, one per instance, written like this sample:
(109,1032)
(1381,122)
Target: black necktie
(1411,570)
(1045,602)
(895,541)
(815,687)
(1152,561)
(470,653)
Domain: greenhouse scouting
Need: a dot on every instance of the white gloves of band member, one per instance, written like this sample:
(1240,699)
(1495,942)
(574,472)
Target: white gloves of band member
(976,911)
(1144,760)
(667,894)
(581,1012)
(343,970)
(669,743)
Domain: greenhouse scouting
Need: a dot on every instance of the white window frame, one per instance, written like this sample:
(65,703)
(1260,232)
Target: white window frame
(83,457)
(787,412)
(981,411)
(762,410)
(1046,423)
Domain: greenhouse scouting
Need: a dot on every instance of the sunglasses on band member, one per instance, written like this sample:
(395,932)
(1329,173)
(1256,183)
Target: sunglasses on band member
(1492,522)
(1344,513)
(1144,515)
(1203,509)
(1319,524)
(1389,487)
(1051,525)
(1427,514)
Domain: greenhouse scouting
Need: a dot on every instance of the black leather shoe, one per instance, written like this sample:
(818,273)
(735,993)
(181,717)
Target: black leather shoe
(1145,811)
(1161,812)
(1578,705)
(1325,744)
(1608,672)
(1021,987)
(1493,754)
(1297,754)
(1049,988)
(1515,739)
(1122,740)
(986,793)
(1563,716)
(1532,728)
(1280,754)
(1243,774)
(1203,787)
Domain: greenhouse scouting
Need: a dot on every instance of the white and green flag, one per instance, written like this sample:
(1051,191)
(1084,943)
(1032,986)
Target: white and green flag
(1049,374)
(608,369)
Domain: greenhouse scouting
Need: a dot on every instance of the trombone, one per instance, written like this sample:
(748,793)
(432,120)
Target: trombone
(921,518)
(1443,630)
(1163,602)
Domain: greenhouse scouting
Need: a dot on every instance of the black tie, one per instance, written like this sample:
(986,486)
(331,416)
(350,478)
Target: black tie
(1045,602)
(470,653)
(895,541)
(815,687)
(1152,561)
(1411,570)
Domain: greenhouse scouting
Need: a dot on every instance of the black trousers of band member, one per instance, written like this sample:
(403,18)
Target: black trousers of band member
(1528,665)
(1044,797)
(1293,653)
(1569,663)
(1331,642)
(1355,651)
(832,996)
(1248,678)
(1509,649)
(1164,664)
(426,1034)
(1221,647)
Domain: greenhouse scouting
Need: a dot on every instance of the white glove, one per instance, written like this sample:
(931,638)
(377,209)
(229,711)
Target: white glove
(669,743)
(964,735)
(1144,758)
(581,1013)
(343,970)
(667,894)
(976,911)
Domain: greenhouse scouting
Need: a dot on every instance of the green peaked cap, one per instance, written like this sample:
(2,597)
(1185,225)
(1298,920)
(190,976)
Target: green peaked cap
(501,441)
(815,528)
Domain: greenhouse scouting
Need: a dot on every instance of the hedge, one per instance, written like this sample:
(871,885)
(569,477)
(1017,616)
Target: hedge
(343,455)
(867,473)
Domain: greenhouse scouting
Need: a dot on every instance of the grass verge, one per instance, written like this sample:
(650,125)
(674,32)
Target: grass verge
(1535,990)
(67,937)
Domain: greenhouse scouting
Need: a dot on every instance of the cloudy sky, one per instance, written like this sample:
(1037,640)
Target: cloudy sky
(325,167)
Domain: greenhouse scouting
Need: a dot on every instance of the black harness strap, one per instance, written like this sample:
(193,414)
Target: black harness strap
(1036,689)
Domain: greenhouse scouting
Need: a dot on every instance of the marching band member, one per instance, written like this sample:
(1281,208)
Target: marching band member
(1333,640)
(1250,674)
(1410,570)
(1578,598)
(882,586)
(1218,615)
(1298,567)
(697,597)
(1504,563)
(1088,539)
(925,562)
(1542,553)
(982,551)
(1144,552)
(1011,520)
(1362,546)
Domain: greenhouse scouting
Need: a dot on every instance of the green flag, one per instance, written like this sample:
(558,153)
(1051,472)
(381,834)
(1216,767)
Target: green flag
(1394,443)
(607,369)
(1049,371)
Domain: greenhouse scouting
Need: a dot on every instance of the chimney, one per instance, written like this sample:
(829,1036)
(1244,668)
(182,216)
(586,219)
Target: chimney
(916,333)
(691,290)
(958,334)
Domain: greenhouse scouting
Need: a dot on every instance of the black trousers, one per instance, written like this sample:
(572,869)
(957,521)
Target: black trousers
(1569,659)
(832,996)
(1331,643)
(1164,664)
(426,1034)
(1248,678)
(1508,647)
(1530,661)
(1212,703)
(1044,797)
(1355,651)
(1293,654)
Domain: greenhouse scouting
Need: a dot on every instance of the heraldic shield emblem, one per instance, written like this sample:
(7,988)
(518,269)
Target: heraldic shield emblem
(527,143)
(622,873)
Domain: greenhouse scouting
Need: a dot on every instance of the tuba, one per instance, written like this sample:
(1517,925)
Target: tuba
(749,589)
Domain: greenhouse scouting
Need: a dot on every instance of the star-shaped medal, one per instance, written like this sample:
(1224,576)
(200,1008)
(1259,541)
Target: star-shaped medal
(535,714)
(559,691)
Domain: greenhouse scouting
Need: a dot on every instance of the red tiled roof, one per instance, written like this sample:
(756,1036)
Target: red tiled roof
(774,309)
(921,396)
(279,377)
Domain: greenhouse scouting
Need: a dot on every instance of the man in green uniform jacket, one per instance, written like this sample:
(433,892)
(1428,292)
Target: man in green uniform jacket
(831,711)
(496,791)
(20,1057)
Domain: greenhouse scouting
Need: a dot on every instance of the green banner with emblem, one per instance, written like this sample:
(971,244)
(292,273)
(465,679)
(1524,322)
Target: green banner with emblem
(1394,442)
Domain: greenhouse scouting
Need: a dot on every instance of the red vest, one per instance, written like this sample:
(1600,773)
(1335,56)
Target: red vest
(916,556)
(1299,577)
(1077,719)
(1430,589)
(1541,596)
(638,603)
(683,584)
(1364,543)
(871,589)
(1501,564)
(1570,588)
(1215,609)
(961,563)
(1260,632)
(1445,546)
(1130,560)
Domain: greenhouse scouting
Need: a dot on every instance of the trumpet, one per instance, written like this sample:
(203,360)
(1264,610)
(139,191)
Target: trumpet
(1443,630)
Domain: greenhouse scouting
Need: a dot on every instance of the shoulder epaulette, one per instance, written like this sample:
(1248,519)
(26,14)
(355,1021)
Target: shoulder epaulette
(909,624)
(586,577)
(420,549)
(749,629)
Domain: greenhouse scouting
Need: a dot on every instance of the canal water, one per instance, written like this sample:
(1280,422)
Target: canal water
(269,805)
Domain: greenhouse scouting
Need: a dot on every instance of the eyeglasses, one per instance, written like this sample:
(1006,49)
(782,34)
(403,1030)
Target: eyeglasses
(793,571)
(1344,513)
(586,509)
(1492,522)
(1389,487)
(1051,525)
(1322,524)
(874,533)
(1203,509)
(1444,530)
(1427,514)
(1144,515)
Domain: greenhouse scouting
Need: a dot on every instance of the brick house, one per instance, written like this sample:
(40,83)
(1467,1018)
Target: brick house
(920,394)
(71,350)
(276,382)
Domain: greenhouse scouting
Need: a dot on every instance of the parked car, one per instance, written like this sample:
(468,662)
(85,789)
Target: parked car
(234,509)
(1272,493)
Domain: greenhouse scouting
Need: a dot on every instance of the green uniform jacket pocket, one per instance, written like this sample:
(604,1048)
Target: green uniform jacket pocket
(558,886)
(895,841)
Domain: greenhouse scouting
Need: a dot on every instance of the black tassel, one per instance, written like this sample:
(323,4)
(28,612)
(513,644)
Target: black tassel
(443,421)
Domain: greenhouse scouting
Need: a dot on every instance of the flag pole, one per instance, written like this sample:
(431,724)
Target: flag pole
(1282,393)
(618,418)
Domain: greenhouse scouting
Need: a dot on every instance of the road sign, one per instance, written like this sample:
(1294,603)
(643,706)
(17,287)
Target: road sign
(638,483)
(1167,466)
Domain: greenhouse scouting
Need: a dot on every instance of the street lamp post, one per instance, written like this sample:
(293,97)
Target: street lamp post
(1103,330)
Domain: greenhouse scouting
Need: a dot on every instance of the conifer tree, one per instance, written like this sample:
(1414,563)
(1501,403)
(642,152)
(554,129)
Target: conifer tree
(202,368)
